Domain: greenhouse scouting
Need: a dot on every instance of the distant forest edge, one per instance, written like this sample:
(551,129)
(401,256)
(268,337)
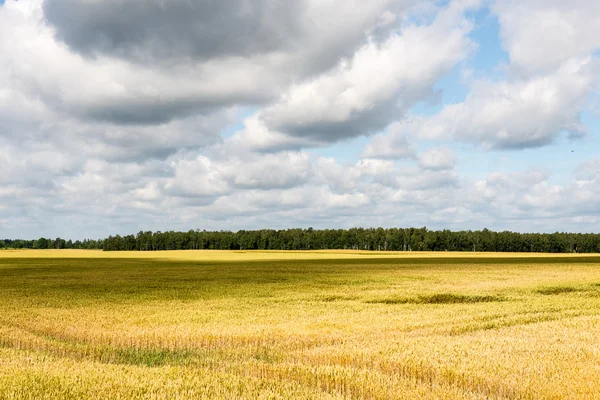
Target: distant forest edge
(373,239)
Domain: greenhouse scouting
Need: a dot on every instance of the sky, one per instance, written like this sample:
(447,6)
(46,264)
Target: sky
(132,115)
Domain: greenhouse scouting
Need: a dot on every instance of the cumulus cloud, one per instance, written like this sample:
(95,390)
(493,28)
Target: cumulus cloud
(395,144)
(362,95)
(509,114)
(438,159)
(541,35)
(127,115)
(553,71)
(133,62)
(589,170)
(280,171)
(156,30)
(196,178)
(202,30)
(519,196)
(151,62)
(518,114)
(42,75)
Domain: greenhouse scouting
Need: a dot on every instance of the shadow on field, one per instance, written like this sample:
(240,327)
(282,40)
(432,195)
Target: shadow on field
(65,283)
(559,290)
(439,298)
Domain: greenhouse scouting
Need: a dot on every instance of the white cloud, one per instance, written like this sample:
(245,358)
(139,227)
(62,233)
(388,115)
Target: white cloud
(270,171)
(438,159)
(365,93)
(516,114)
(129,69)
(396,144)
(196,178)
(107,131)
(541,35)
(554,73)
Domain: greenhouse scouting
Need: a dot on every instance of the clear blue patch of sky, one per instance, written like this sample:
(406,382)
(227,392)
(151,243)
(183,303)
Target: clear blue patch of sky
(490,55)
(1,3)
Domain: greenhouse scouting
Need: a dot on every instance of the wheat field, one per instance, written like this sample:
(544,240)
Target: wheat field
(301,325)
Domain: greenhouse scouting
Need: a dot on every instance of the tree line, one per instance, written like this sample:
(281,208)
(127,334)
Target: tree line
(371,239)
(58,243)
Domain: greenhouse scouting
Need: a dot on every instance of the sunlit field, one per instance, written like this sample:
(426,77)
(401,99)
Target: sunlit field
(301,325)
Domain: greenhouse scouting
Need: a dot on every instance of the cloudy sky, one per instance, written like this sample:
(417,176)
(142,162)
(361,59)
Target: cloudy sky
(126,115)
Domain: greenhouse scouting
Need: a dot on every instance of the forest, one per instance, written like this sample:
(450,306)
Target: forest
(371,239)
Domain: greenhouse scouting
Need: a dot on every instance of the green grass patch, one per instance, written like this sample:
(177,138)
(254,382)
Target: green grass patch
(552,290)
(332,298)
(449,298)
(438,298)
(148,357)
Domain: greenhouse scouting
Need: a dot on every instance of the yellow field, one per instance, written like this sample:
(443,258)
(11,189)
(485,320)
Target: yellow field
(268,255)
(328,324)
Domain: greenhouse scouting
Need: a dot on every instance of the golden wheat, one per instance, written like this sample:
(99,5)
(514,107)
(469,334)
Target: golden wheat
(327,324)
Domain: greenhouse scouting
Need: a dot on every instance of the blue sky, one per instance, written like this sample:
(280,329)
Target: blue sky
(458,114)
(489,62)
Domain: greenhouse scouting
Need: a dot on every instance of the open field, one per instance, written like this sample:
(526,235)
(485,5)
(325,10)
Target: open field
(330,324)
